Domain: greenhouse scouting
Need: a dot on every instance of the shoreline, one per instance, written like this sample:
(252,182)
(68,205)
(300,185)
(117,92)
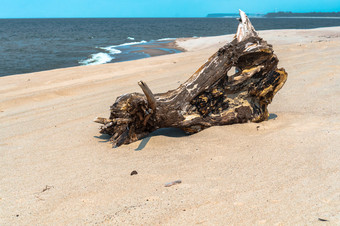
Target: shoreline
(161,47)
(141,50)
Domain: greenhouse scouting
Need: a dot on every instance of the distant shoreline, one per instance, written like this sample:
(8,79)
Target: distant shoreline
(301,17)
(329,15)
(307,15)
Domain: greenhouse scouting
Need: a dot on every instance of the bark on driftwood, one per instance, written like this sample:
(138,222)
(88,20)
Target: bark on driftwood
(235,85)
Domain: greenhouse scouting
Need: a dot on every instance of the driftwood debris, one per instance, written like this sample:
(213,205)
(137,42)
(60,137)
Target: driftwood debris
(235,85)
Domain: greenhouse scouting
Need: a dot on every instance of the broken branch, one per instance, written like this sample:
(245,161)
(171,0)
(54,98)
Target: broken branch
(149,95)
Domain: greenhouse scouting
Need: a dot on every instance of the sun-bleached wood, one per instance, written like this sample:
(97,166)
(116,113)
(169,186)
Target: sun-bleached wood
(235,85)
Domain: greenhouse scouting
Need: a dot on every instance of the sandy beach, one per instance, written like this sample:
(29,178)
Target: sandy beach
(56,168)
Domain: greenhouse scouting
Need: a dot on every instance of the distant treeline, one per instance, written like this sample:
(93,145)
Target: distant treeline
(312,14)
(278,14)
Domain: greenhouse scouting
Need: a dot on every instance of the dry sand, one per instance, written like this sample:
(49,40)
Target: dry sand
(56,169)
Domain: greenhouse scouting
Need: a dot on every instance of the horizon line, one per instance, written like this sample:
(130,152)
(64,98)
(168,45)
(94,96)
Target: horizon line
(146,17)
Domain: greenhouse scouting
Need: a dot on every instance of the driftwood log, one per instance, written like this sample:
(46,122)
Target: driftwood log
(235,85)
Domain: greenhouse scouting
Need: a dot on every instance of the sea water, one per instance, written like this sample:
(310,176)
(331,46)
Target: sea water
(30,45)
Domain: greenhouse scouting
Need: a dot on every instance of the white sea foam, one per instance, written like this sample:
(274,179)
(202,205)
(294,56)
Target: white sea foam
(166,39)
(130,43)
(111,49)
(102,58)
(97,58)
(130,38)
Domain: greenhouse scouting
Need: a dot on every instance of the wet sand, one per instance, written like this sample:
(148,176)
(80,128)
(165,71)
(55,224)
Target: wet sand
(160,48)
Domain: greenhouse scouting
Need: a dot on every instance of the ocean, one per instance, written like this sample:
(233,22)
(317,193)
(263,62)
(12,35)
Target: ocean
(31,45)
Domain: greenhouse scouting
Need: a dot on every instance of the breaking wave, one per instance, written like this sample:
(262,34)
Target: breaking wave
(97,58)
(111,49)
(131,43)
(166,39)
(107,56)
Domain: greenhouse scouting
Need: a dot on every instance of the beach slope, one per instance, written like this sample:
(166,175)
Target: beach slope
(55,167)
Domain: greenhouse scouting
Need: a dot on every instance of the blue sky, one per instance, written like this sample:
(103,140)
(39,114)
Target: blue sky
(154,8)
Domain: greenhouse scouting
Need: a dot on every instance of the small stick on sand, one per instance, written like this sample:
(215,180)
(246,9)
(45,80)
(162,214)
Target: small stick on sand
(172,183)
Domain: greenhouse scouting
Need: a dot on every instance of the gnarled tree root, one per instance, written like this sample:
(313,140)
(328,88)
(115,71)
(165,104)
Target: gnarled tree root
(235,85)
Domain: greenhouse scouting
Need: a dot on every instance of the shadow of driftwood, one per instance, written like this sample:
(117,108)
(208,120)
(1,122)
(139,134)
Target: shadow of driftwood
(169,132)
(104,138)
(272,116)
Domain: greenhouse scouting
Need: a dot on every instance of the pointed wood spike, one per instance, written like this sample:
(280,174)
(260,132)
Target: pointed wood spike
(149,95)
(245,28)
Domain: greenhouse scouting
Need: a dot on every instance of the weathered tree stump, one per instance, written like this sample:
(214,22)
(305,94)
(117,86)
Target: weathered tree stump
(235,85)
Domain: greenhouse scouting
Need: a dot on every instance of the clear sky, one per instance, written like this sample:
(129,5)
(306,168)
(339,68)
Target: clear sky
(154,8)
